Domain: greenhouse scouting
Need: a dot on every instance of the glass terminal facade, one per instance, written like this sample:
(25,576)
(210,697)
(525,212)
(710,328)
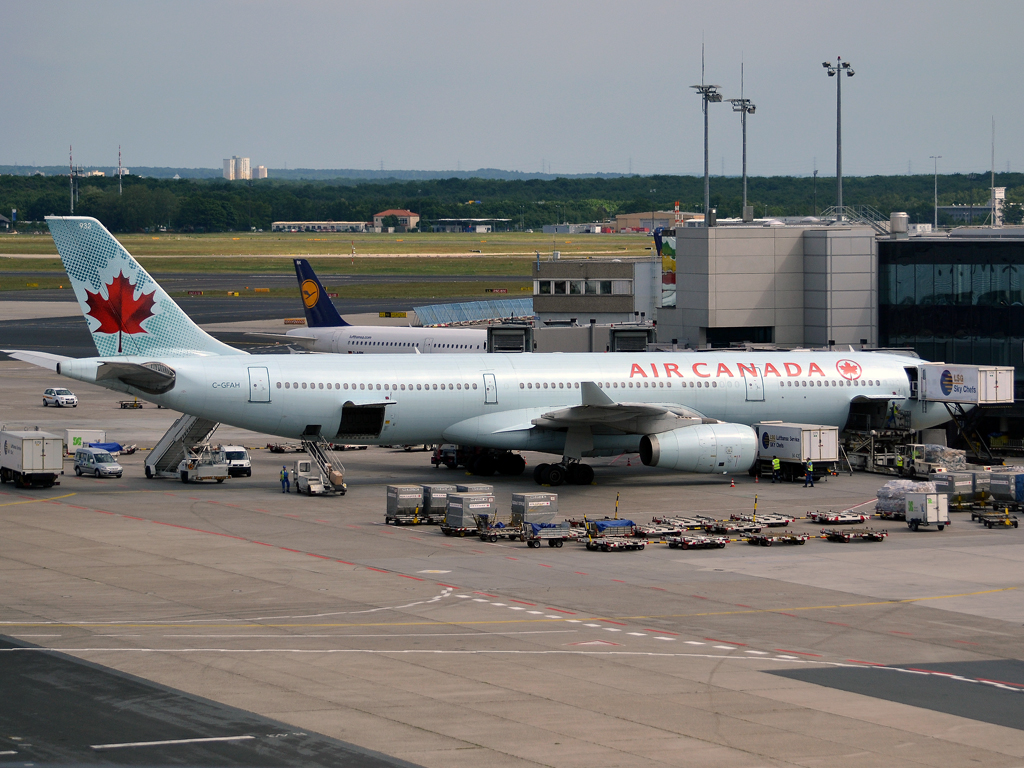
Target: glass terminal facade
(958,301)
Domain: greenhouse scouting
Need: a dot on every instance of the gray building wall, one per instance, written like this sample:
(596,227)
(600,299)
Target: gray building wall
(840,286)
(643,276)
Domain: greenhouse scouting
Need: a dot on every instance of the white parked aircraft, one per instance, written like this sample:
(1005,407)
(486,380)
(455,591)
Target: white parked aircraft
(683,411)
(327,331)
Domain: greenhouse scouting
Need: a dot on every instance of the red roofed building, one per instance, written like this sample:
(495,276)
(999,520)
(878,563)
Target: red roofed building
(406,219)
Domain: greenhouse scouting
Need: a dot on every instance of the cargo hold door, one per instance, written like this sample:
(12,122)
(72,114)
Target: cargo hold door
(755,386)
(259,385)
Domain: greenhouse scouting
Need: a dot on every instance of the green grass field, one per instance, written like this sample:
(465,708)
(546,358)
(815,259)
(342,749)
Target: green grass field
(434,290)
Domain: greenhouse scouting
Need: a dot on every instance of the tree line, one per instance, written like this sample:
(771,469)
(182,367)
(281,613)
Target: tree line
(218,205)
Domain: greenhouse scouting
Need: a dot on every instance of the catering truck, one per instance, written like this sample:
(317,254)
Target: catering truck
(793,444)
(31,459)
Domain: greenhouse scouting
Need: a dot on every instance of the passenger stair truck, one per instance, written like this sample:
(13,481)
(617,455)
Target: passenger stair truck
(184,435)
(31,459)
(793,444)
(322,474)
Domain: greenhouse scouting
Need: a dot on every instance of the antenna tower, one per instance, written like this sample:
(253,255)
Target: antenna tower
(118,170)
(71,178)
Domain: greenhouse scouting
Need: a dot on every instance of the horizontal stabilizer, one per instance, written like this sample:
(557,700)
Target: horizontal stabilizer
(153,378)
(42,359)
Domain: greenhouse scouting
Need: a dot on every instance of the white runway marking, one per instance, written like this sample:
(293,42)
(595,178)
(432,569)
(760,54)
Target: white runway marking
(170,741)
(395,636)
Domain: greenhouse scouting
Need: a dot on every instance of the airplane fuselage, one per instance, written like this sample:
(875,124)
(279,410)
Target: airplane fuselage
(384,339)
(490,399)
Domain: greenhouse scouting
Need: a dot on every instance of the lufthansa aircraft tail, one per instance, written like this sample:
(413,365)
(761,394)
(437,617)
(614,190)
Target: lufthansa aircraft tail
(127,312)
(320,310)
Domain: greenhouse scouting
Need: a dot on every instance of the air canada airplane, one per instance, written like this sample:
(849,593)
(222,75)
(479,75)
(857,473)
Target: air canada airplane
(327,331)
(685,411)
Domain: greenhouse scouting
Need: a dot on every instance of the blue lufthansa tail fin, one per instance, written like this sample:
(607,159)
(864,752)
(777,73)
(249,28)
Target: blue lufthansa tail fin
(320,310)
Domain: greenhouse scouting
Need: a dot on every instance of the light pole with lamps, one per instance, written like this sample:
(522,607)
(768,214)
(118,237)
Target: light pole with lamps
(840,67)
(744,107)
(708,93)
(936,158)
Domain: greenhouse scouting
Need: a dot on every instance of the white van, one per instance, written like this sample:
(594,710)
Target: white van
(96,462)
(238,460)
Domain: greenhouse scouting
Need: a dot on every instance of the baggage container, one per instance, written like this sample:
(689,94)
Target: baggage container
(534,507)
(463,509)
(1004,486)
(982,485)
(405,502)
(796,442)
(474,488)
(31,459)
(435,500)
(927,509)
(957,486)
(80,438)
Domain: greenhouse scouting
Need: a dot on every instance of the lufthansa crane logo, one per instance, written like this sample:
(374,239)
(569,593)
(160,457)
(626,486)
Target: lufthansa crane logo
(946,382)
(310,293)
(849,369)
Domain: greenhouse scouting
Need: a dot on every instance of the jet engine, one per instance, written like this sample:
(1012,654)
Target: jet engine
(711,448)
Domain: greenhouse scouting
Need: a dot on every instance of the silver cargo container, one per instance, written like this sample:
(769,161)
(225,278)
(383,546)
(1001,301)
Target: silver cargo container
(475,488)
(534,507)
(959,486)
(463,509)
(404,498)
(982,485)
(1007,486)
(435,497)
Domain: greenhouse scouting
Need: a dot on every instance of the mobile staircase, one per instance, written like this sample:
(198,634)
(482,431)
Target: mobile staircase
(173,447)
(332,471)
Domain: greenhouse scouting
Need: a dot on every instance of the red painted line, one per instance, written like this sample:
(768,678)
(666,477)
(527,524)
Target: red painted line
(131,517)
(286,549)
(103,511)
(837,623)
(1000,682)
(741,605)
(619,580)
(443,544)
(783,613)
(522,602)
(322,557)
(416,538)
(581,573)
(485,594)
(609,621)
(699,597)
(378,570)
(414,578)
(561,611)
(661,631)
(193,498)
(545,566)
(447,585)
(75,506)
(869,663)
(729,642)
(346,562)
(799,653)
(893,631)
(511,558)
(966,642)
(263,543)
(660,589)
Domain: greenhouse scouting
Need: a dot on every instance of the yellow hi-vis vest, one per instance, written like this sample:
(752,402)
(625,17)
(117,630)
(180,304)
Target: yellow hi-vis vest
(810,466)
(776,465)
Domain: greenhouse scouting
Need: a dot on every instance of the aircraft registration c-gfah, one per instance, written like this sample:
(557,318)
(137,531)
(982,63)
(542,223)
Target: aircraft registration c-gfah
(327,331)
(685,411)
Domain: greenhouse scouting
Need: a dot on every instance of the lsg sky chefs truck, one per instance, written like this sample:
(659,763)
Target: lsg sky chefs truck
(31,459)
(793,444)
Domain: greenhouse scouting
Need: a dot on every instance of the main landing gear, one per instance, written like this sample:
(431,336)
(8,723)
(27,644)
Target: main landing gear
(572,472)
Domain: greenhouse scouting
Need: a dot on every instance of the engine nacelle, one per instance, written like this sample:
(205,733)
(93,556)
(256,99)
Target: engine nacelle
(710,448)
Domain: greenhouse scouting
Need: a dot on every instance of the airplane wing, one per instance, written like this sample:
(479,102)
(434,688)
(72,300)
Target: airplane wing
(600,411)
(42,359)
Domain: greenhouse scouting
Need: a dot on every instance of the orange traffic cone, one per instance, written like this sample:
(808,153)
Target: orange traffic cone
(732,482)
(757,478)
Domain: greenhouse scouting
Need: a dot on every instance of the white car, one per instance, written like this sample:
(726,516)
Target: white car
(59,396)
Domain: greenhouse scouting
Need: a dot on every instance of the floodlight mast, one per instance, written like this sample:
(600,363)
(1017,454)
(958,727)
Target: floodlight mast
(833,70)
(936,158)
(744,107)
(708,93)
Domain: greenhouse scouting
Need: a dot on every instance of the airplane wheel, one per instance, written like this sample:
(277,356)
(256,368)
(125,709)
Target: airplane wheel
(556,474)
(538,473)
(484,466)
(585,474)
(511,464)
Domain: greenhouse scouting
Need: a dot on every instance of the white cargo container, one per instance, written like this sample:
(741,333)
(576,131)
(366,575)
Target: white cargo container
(795,443)
(31,458)
(927,509)
(80,438)
(974,384)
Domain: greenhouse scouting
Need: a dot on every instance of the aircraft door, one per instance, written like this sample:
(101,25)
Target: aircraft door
(755,386)
(259,385)
(428,344)
(490,389)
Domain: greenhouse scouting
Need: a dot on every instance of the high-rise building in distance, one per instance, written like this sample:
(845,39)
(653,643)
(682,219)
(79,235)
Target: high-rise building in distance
(237,168)
(259,172)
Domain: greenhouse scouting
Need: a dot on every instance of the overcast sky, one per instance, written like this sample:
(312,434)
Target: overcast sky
(567,87)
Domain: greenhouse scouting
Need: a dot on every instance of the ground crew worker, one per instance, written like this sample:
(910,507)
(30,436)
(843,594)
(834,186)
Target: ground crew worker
(286,486)
(899,464)
(776,470)
(809,473)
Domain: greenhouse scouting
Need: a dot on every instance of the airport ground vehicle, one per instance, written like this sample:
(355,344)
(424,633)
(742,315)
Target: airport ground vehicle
(238,461)
(31,459)
(924,509)
(205,463)
(310,480)
(96,462)
(60,397)
(612,535)
(793,444)
(697,541)
(846,535)
(79,438)
(994,519)
(479,461)
(768,538)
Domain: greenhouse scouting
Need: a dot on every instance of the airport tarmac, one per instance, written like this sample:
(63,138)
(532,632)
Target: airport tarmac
(310,613)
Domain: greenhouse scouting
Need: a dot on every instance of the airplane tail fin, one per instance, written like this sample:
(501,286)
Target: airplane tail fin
(320,310)
(127,311)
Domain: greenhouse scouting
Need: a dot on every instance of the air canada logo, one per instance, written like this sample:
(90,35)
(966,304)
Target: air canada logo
(310,293)
(849,369)
(946,382)
(120,312)
(765,440)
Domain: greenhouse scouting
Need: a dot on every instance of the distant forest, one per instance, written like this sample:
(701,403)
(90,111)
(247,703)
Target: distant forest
(216,205)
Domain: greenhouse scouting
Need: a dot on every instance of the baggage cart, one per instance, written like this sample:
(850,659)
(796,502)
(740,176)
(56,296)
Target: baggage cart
(838,518)
(555,534)
(768,521)
(924,509)
(686,523)
(768,538)
(995,519)
(697,541)
(846,535)
(490,528)
(731,526)
(612,535)
(658,531)
(405,505)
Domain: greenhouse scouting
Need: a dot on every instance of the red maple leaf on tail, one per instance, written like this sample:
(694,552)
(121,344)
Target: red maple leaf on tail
(120,312)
